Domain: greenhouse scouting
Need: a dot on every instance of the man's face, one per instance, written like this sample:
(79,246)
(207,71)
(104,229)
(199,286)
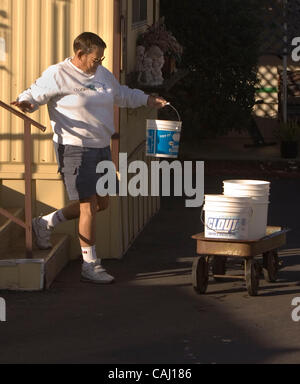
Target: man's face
(91,61)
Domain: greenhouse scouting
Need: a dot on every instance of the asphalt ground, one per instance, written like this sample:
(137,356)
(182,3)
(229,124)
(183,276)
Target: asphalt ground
(152,315)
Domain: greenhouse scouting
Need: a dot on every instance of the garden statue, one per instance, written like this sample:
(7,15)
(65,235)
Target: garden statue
(158,61)
(149,65)
(147,77)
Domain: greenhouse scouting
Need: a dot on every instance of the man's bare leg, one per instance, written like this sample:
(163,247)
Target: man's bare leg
(92,269)
(87,222)
(43,226)
(72,211)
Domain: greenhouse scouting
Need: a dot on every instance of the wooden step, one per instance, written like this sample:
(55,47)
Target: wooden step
(20,274)
(10,232)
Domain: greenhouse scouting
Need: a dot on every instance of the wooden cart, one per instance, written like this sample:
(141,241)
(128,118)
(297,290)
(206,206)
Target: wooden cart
(219,249)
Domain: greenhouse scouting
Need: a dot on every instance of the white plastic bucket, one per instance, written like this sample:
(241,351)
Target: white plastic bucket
(258,191)
(249,184)
(228,217)
(221,199)
(259,198)
(163,138)
(258,226)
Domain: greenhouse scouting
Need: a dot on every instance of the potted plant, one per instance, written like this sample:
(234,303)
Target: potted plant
(157,35)
(289,134)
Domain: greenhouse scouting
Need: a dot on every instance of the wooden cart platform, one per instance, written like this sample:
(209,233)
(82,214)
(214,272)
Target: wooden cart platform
(219,249)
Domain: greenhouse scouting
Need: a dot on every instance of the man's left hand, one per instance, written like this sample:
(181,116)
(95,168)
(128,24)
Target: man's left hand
(156,102)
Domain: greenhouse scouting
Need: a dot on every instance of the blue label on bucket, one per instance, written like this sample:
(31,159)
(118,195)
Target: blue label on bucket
(161,142)
(225,225)
(150,141)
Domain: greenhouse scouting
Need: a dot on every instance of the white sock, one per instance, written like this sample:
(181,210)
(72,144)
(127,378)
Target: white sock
(55,218)
(89,254)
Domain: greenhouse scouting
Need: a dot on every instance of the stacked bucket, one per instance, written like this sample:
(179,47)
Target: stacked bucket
(241,213)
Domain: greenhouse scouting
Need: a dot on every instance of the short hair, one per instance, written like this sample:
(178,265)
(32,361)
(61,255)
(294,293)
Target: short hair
(87,41)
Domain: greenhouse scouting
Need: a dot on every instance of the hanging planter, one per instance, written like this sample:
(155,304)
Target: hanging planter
(169,67)
(157,54)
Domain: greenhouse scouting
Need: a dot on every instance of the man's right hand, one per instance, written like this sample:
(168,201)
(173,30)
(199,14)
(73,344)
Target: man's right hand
(25,106)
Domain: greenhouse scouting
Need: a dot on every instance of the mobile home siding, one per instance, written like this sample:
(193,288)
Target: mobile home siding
(37,34)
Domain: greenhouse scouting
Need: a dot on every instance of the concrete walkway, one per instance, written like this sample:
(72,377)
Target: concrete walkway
(152,314)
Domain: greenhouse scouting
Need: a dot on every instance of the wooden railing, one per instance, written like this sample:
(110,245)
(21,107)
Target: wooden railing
(28,122)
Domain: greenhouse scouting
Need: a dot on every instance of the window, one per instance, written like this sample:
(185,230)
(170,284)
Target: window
(139,11)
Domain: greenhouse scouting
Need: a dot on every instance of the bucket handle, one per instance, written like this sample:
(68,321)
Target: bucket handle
(205,225)
(170,105)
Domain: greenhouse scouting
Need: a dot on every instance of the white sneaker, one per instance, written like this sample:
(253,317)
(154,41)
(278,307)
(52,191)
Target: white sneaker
(42,232)
(95,273)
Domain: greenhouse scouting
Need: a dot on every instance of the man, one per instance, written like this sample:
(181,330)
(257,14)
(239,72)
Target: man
(80,94)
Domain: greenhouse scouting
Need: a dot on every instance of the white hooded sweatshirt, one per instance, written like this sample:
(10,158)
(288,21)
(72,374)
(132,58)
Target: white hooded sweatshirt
(81,106)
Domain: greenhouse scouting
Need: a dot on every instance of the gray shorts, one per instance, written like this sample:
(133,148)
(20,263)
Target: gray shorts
(77,165)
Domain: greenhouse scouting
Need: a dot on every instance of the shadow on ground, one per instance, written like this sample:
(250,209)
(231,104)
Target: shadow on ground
(152,314)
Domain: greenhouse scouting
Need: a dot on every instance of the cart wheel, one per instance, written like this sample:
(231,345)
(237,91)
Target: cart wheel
(252,276)
(219,266)
(270,266)
(200,274)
